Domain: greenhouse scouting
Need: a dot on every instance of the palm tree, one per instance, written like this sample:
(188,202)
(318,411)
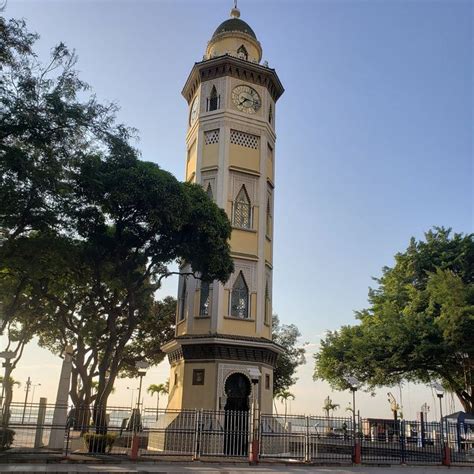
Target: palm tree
(329,406)
(284,396)
(6,397)
(159,389)
(12,381)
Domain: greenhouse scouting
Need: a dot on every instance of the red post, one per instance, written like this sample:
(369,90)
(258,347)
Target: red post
(356,458)
(135,445)
(446,456)
(254,452)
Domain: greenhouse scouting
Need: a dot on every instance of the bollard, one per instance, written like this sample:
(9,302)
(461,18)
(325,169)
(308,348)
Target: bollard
(356,457)
(40,423)
(253,458)
(446,456)
(135,445)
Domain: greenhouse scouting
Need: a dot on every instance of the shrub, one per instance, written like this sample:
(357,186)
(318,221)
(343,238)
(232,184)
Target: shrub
(99,443)
(6,438)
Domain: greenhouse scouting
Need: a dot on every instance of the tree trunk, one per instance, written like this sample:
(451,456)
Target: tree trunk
(157,404)
(104,389)
(466,400)
(8,395)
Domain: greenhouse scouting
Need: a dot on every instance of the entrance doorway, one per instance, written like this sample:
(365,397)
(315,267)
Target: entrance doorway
(236,422)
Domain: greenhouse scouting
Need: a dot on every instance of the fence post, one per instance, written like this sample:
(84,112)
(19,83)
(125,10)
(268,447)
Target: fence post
(307,454)
(445,446)
(135,426)
(254,454)
(68,438)
(197,434)
(40,423)
(402,442)
(357,454)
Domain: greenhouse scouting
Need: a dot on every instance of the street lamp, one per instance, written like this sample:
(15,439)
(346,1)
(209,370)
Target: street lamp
(142,367)
(353,386)
(32,397)
(131,401)
(27,390)
(440,393)
(255,374)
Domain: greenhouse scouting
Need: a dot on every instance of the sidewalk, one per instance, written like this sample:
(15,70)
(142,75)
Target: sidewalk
(204,468)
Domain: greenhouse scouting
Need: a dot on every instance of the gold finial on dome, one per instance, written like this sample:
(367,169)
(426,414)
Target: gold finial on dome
(235,12)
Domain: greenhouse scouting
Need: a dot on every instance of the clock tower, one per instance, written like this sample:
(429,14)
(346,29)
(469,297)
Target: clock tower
(222,356)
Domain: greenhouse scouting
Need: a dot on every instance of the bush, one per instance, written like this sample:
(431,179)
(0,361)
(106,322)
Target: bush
(99,443)
(6,438)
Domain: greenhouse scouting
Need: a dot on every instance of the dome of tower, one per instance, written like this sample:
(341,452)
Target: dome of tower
(234,37)
(234,24)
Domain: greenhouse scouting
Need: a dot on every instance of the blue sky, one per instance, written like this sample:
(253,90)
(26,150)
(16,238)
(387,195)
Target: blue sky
(374,129)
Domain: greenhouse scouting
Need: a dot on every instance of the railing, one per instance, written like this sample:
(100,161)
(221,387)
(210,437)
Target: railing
(201,434)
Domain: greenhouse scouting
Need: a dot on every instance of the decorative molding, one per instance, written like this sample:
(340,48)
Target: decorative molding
(223,351)
(227,65)
(249,270)
(223,373)
(237,180)
(244,170)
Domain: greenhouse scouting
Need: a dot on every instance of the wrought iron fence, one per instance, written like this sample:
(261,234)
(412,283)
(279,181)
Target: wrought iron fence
(400,441)
(459,437)
(195,434)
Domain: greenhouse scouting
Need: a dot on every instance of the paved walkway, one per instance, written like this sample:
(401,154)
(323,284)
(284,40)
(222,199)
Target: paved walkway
(187,468)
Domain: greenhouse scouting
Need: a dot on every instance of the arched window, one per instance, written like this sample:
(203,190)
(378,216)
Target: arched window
(242,53)
(214,100)
(205,299)
(239,305)
(182,301)
(209,191)
(270,114)
(269,218)
(242,209)
(267,304)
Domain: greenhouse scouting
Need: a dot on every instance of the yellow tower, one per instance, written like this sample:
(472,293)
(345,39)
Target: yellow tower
(223,341)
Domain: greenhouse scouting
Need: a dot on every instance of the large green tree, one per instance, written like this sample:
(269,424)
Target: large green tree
(87,229)
(419,325)
(47,122)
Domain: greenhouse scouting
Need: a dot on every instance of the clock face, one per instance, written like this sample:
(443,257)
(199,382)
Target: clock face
(194,111)
(246,99)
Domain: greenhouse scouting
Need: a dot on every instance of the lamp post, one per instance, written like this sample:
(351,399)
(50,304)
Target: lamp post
(440,393)
(142,367)
(353,386)
(131,401)
(444,446)
(255,374)
(27,390)
(33,397)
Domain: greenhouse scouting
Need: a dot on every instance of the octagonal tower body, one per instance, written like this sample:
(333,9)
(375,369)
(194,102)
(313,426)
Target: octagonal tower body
(223,331)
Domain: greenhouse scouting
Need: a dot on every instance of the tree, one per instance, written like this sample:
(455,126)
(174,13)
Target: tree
(134,219)
(329,406)
(293,356)
(284,396)
(159,389)
(87,229)
(48,122)
(419,325)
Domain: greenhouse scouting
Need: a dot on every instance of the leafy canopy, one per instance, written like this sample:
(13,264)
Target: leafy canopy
(293,356)
(419,325)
